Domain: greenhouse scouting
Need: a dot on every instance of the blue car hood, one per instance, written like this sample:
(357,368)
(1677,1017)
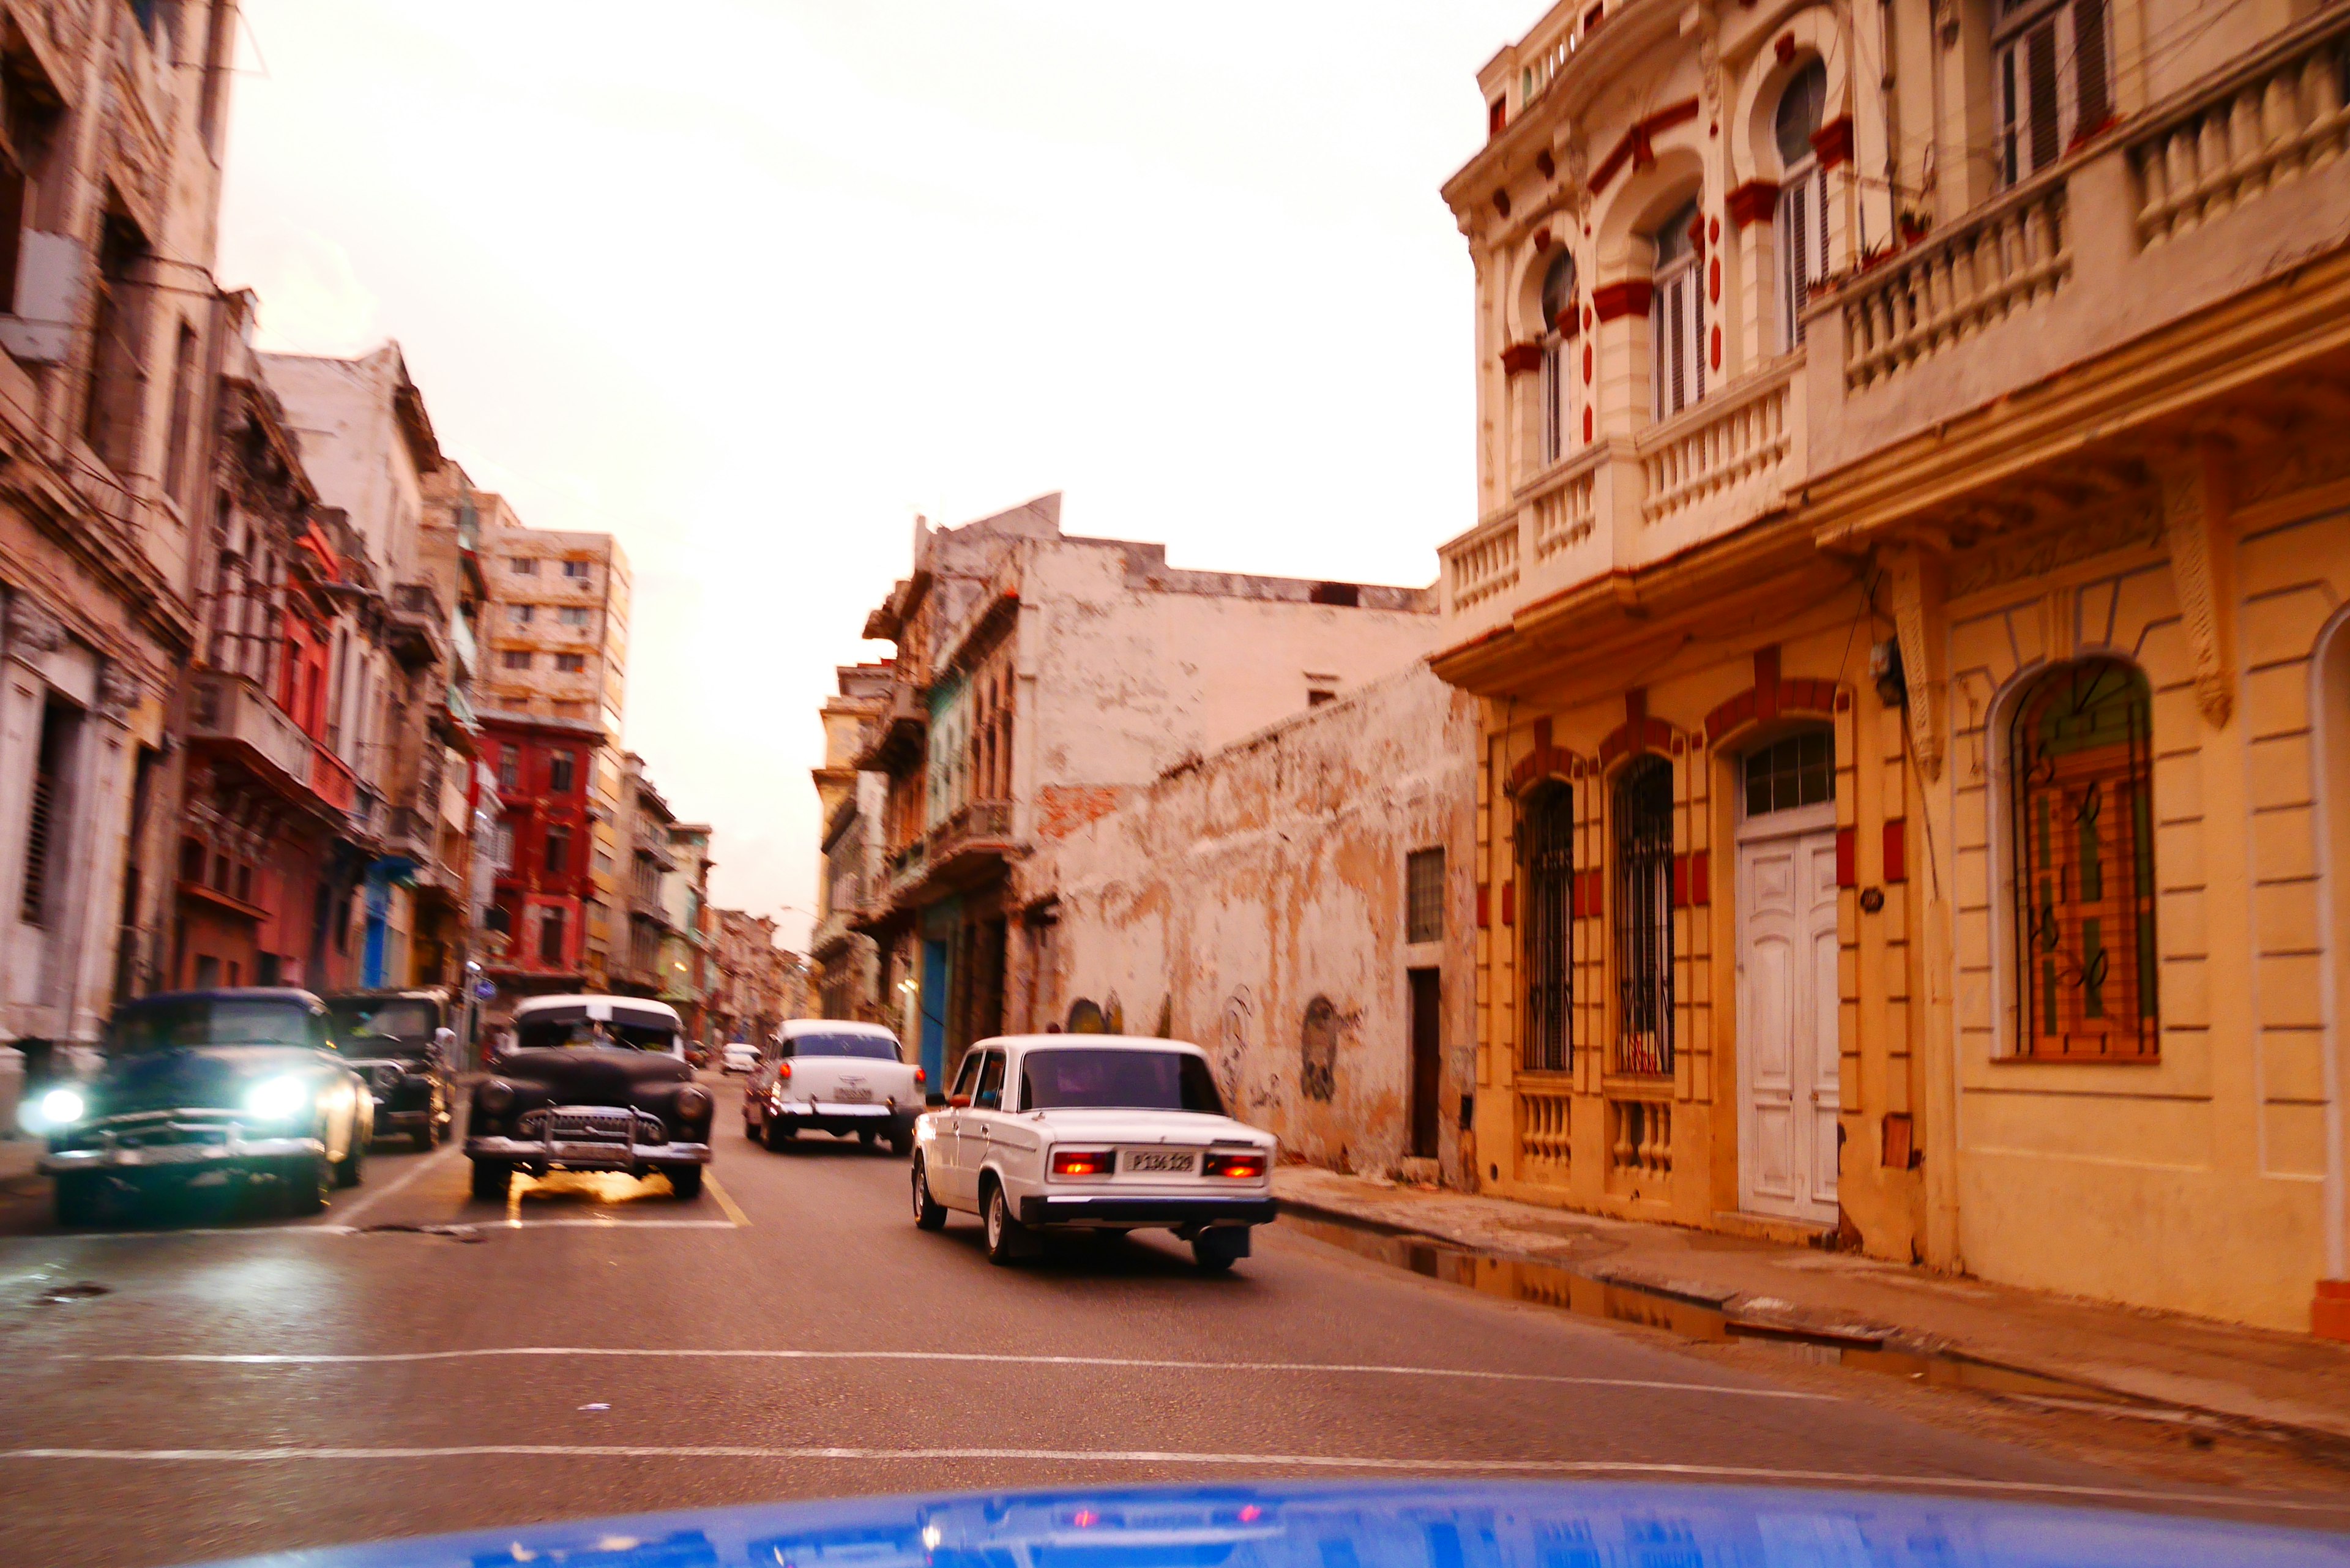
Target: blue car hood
(1402,1526)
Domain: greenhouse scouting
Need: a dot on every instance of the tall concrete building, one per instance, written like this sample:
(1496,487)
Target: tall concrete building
(848,974)
(110,199)
(1903,599)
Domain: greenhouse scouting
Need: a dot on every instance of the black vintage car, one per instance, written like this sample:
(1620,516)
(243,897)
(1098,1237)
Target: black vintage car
(590,1082)
(401,1042)
(244,1084)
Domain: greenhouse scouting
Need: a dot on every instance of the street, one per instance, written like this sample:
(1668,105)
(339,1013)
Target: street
(594,1347)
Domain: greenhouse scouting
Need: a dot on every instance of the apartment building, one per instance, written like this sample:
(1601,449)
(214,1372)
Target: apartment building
(109,196)
(848,963)
(1041,680)
(689,948)
(1902,602)
(644,835)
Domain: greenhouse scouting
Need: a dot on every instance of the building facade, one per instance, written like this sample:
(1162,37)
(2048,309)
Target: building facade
(111,175)
(1040,681)
(1903,608)
(688,966)
(644,833)
(850,805)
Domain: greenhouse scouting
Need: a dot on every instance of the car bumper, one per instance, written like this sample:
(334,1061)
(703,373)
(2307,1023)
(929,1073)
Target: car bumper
(181,1156)
(571,1155)
(401,1121)
(1055,1209)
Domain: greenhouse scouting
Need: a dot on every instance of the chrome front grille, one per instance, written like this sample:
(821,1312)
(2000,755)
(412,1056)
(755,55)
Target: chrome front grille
(593,1124)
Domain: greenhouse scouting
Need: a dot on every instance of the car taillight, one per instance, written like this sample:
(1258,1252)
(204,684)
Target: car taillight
(1081,1162)
(782,1069)
(920,1078)
(1233,1166)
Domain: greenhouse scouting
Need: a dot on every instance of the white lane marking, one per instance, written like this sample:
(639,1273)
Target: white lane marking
(1174,1457)
(269,1232)
(301,1358)
(608,1224)
(349,1217)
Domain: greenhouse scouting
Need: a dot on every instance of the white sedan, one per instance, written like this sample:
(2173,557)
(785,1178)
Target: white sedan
(1092,1132)
(739,1057)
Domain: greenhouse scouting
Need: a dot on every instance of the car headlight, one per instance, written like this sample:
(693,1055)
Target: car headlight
(495,1097)
(692,1103)
(54,1111)
(278,1099)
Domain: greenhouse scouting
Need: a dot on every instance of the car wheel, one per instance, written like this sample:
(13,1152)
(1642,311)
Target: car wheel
(750,1129)
(1216,1250)
(901,1144)
(309,1184)
(428,1136)
(491,1177)
(81,1198)
(930,1214)
(868,1138)
(351,1169)
(1006,1236)
(684,1181)
(776,1134)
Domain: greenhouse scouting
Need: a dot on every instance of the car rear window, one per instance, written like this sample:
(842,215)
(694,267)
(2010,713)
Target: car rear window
(368,1022)
(1081,1076)
(176,1026)
(589,1034)
(871,1046)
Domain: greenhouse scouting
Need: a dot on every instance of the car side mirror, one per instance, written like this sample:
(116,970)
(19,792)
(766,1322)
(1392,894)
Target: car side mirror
(959,1102)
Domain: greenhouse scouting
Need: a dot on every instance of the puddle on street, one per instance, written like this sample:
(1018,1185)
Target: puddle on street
(1547,1284)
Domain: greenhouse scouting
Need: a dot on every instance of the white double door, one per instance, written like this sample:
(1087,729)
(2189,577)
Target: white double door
(1787,1050)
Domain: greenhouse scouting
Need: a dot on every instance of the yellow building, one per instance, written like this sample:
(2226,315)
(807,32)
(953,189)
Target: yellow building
(1914,511)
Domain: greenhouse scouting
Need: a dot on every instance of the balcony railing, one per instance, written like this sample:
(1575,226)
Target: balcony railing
(1744,434)
(336,784)
(2002,259)
(230,708)
(2277,116)
(1481,564)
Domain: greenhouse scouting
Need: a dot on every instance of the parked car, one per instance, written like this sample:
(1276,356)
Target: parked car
(245,1082)
(403,1043)
(591,1082)
(851,1080)
(739,1056)
(1047,1132)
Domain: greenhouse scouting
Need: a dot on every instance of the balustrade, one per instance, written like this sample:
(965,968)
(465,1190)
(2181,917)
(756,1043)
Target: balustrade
(1642,1137)
(1482,564)
(1721,443)
(1544,1120)
(2284,112)
(2012,254)
(1565,512)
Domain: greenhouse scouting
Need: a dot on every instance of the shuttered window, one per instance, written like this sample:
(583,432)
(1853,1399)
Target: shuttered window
(1802,216)
(2054,81)
(1558,362)
(1547,846)
(44,822)
(1678,315)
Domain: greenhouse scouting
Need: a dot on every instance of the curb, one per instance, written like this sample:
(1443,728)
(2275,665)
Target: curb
(2312,1442)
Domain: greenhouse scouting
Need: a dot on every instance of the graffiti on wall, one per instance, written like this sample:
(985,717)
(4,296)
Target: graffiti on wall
(1318,1066)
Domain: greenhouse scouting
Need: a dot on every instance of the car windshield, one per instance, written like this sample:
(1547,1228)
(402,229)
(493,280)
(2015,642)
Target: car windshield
(1127,1080)
(588,1034)
(871,1046)
(179,1026)
(375,1024)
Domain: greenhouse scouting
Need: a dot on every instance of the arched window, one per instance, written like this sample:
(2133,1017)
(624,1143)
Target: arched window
(2082,767)
(1679,313)
(1644,917)
(1558,365)
(1547,845)
(1802,223)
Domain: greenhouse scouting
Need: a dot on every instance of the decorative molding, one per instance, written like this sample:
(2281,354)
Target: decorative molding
(1520,359)
(1921,622)
(118,690)
(1756,202)
(2041,550)
(1832,141)
(33,628)
(1628,296)
(1634,144)
(2202,568)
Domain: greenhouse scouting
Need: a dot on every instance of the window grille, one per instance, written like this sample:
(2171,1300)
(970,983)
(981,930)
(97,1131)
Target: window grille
(1644,917)
(2054,81)
(2081,759)
(1548,852)
(41,822)
(1423,876)
(522,565)
(1679,314)
(558,773)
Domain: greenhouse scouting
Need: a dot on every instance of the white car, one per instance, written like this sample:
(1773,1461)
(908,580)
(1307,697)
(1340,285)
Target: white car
(1093,1132)
(741,1056)
(823,1074)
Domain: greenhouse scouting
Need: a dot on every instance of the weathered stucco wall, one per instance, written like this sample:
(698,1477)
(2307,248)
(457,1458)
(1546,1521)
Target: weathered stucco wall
(1254,903)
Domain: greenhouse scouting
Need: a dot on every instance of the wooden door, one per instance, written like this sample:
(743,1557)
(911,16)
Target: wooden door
(1788,1040)
(1427,1059)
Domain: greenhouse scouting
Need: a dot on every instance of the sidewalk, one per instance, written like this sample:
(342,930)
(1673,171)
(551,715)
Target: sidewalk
(2244,1375)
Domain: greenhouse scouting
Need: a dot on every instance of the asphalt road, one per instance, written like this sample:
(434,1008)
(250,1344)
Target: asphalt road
(238,1385)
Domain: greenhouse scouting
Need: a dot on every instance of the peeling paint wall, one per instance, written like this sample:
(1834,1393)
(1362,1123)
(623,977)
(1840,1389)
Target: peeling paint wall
(1254,903)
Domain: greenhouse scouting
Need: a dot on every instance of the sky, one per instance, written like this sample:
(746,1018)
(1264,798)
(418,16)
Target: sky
(753,287)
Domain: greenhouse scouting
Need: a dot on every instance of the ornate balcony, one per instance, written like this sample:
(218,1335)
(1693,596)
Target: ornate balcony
(231,718)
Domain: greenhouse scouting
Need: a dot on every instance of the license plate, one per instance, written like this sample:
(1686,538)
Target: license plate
(854,1096)
(1158,1161)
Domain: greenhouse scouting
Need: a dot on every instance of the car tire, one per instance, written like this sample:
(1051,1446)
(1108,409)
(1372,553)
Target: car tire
(930,1214)
(775,1135)
(1217,1247)
(901,1144)
(868,1138)
(750,1129)
(491,1177)
(1007,1238)
(81,1198)
(351,1169)
(428,1136)
(684,1182)
(308,1185)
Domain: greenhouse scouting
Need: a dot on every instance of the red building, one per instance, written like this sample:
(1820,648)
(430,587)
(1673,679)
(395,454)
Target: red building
(545,850)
